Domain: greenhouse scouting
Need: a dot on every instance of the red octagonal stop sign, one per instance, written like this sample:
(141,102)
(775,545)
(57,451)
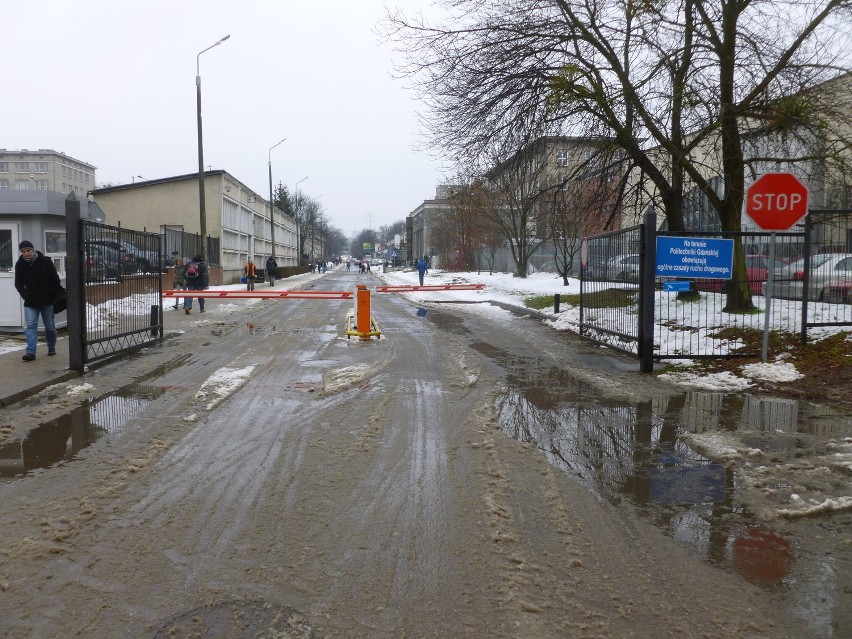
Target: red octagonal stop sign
(776,201)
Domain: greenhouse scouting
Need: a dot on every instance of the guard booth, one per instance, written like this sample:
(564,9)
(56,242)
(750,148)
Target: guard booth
(37,216)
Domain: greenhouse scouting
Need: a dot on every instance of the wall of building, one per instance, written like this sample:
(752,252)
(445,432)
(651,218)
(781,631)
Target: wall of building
(45,170)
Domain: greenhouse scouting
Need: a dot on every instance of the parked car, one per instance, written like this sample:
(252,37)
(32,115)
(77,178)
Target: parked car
(827,269)
(107,263)
(839,293)
(146,261)
(621,268)
(757,272)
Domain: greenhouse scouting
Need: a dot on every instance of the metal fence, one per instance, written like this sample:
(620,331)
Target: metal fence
(609,288)
(807,274)
(113,277)
(177,243)
(123,289)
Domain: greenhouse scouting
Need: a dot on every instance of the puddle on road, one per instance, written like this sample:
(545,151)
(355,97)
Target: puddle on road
(644,454)
(62,438)
(260,330)
(445,321)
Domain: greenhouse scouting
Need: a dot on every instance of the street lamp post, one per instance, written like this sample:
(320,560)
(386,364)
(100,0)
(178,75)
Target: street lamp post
(298,223)
(201,204)
(271,203)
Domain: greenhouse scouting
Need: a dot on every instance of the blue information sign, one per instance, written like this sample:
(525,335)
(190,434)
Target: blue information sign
(695,257)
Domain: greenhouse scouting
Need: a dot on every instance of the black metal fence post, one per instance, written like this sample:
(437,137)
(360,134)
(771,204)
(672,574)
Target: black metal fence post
(647,273)
(75,285)
(556,299)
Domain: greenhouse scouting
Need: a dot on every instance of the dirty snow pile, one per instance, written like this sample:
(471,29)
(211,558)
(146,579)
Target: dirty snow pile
(222,384)
(783,489)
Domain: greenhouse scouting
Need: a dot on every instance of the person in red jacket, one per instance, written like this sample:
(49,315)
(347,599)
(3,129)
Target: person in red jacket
(37,282)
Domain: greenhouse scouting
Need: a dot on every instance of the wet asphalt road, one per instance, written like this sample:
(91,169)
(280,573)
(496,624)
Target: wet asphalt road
(349,489)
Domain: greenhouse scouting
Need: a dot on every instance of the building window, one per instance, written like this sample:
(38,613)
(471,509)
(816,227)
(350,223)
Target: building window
(7,258)
(64,171)
(562,158)
(4,167)
(54,241)
(22,167)
(4,184)
(41,167)
(41,185)
(22,185)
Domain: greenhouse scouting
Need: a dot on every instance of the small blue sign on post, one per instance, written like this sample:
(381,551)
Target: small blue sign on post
(695,257)
(676,287)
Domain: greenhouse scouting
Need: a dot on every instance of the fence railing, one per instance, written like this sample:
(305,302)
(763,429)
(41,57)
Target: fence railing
(177,243)
(809,282)
(113,277)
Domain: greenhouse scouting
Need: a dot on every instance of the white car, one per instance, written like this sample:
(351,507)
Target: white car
(827,269)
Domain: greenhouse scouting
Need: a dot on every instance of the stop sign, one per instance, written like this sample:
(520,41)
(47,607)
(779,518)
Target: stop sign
(776,201)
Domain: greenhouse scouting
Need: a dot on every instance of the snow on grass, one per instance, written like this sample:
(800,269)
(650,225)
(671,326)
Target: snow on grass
(724,382)
(772,372)
(704,316)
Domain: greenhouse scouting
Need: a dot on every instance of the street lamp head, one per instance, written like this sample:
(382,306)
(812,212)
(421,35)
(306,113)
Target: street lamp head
(223,39)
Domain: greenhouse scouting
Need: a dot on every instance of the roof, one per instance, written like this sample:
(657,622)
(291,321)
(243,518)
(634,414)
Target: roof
(146,183)
(19,202)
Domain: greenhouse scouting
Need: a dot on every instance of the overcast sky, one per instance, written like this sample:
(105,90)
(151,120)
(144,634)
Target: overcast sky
(112,83)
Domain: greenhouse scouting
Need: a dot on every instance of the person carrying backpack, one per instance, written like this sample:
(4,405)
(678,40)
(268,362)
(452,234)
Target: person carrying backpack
(271,265)
(197,278)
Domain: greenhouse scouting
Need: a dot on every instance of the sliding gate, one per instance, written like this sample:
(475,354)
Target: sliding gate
(114,280)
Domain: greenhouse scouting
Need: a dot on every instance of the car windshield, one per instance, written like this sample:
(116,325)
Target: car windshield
(816,260)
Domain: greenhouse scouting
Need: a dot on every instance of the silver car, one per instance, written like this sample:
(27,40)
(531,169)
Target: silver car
(826,269)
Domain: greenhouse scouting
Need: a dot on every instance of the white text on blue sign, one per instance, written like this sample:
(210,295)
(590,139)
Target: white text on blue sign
(695,257)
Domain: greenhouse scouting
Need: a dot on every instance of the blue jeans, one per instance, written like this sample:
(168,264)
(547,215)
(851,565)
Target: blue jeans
(187,301)
(31,314)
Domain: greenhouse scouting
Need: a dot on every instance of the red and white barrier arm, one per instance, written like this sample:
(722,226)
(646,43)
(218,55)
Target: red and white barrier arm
(267,295)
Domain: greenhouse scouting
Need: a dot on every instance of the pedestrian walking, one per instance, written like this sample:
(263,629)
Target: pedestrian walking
(271,265)
(421,269)
(250,274)
(179,277)
(37,282)
(197,277)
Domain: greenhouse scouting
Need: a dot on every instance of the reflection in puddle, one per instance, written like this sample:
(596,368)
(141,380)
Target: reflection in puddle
(639,453)
(61,439)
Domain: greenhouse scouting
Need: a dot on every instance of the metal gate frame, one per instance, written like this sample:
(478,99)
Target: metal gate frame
(90,341)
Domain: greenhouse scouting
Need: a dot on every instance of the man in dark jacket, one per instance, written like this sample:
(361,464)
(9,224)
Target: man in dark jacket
(197,278)
(271,265)
(38,284)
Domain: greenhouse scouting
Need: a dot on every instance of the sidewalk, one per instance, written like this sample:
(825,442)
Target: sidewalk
(22,379)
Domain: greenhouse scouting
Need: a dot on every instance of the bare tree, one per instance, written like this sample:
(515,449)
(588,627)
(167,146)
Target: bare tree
(516,185)
(681,87)
(578,207)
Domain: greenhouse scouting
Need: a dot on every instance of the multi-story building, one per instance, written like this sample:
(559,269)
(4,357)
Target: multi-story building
(421,225)
(45,170)
(239,217)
